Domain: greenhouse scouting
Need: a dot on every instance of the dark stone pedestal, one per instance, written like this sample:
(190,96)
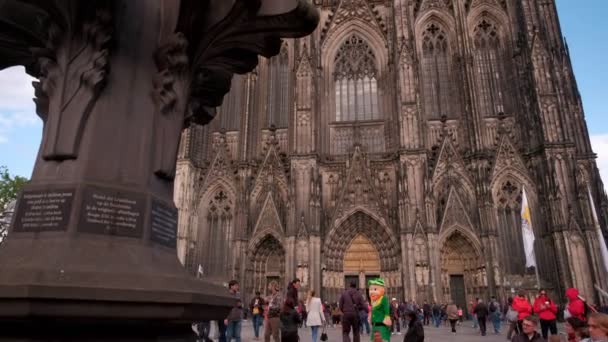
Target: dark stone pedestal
(91,253)
(91,270)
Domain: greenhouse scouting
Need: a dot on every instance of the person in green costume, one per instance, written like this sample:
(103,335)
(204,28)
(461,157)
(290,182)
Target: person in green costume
(380,314)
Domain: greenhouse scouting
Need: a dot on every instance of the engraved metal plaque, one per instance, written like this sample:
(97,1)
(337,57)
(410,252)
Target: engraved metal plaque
(112,212)
(164,224)
(44,210)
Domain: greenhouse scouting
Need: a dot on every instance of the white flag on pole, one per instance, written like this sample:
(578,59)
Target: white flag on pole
(527,232)
(600,236)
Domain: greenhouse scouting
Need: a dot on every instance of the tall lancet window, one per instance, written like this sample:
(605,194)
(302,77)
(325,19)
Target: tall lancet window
(355,79)
(489,69)
(435,72)
(219,235)
(278,93)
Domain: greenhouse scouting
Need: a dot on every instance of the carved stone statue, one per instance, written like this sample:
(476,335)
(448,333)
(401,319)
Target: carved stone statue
(94,232)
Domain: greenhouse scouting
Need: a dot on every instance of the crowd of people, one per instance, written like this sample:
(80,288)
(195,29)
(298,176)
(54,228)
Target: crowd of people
(282,314)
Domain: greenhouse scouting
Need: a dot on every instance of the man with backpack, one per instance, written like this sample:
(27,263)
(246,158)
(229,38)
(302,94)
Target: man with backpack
(494,309)
(351,302)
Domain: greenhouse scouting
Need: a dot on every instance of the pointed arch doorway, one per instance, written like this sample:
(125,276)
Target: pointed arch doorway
(463,273)
(358,248)
(361,262)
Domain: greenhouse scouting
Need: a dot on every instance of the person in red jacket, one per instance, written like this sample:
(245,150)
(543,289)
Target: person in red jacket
(546,310)
(576,307)
(523,308)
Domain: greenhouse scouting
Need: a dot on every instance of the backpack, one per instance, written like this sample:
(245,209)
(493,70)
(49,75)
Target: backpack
(493,307)
(512,315)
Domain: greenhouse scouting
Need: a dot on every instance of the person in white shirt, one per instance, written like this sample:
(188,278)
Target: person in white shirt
(315,318)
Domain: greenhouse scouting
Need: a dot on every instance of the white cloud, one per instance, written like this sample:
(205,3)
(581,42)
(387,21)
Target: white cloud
(17,108)
(600,147)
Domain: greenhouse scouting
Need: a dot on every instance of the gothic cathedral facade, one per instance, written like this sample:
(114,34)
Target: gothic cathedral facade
(395,141)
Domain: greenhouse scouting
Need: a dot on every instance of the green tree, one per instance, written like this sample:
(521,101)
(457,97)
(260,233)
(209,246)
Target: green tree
(9,187)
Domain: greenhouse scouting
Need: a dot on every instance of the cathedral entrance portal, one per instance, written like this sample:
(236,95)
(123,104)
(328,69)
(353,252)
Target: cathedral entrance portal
(359,249)
(361,262)
(463,275)
(267,263)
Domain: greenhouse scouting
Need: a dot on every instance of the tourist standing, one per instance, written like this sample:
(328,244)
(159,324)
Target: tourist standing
(576,306)
(315,318)
(481,311)
(426,308)
(396,328)
(234,320)
(364,322)
(472,306)
(274,305)
(452,312)
(351,302)
(292,291)
(530,333)
(327,313)
(523,308)
(494,309)
(546,310)
(436,314)
(257,314)
(512,318)
(415,330)
(598,327)
(290,320)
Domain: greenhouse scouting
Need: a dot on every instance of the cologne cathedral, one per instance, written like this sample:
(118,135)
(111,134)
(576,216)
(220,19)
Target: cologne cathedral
(395,141)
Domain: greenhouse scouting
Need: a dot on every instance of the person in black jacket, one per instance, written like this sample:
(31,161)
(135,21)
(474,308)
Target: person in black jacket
(290,320)
(350,303)
(415,330)
(481,310)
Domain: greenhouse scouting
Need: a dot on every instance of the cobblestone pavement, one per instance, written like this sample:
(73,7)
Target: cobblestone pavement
(464,334)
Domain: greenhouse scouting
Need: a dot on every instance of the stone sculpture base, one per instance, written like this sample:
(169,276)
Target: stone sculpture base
(93,271)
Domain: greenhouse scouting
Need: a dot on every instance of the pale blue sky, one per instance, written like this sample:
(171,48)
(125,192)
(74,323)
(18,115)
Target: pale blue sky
(582,25)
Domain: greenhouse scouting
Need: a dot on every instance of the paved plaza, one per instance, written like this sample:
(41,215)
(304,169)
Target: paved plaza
(432,334)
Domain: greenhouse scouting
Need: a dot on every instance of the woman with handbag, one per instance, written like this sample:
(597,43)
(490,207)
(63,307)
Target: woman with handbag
(315,318)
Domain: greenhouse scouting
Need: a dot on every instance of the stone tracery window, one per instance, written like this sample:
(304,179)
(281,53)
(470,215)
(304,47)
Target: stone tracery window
(436,77)
(489,68)
(279,87)
(508,202)
(355,77)
(219,228)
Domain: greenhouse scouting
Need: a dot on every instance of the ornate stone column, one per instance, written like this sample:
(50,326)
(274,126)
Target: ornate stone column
(94,234)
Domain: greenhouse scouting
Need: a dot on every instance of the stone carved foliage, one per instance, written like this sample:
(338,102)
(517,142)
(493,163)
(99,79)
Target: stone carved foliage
(507,157)
(421,6)
(354,9)
(358,188)
(72,52)
(219,49)
(455,213)
(470,4)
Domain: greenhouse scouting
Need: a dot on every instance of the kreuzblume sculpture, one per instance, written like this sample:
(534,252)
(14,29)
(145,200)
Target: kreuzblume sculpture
(92,243)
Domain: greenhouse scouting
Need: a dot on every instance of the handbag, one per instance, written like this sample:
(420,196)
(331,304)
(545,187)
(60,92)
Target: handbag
(323,333)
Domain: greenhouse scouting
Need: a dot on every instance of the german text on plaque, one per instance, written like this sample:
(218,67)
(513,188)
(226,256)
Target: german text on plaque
(44,210)
(113,212)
